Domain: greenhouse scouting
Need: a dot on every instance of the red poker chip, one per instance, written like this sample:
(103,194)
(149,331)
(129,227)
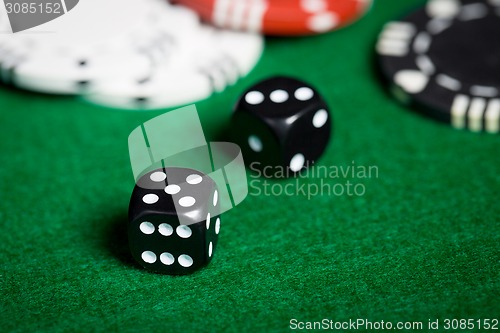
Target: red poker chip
(279,17)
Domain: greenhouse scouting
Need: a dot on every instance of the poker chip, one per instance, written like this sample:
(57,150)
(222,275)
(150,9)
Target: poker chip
(187,76)
(444,60)
(154,55)
(279,17)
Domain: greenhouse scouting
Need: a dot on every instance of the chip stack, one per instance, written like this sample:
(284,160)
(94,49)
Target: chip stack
(154,55)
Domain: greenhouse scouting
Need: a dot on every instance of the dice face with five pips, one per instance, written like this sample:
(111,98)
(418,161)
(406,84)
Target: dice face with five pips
(281,122)
(174,220)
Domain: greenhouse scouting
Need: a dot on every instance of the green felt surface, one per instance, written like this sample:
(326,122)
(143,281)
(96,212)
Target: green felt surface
(422,243)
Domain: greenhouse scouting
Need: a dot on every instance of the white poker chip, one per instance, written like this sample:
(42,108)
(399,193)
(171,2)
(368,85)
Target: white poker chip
(69,75)
(165,89)
(192,74)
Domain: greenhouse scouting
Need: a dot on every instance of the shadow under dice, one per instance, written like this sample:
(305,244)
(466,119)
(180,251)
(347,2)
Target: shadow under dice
(174,220)
(281,122)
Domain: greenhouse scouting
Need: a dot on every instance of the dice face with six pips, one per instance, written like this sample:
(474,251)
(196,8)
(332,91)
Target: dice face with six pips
(281,122)
(174,220)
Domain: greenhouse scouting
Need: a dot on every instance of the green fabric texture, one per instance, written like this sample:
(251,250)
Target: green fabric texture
(422,242)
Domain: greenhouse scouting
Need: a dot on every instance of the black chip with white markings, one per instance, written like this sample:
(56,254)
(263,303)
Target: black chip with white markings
(444,59)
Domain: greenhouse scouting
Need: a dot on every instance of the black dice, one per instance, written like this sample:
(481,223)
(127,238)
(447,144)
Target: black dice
(281,122)
(174,220)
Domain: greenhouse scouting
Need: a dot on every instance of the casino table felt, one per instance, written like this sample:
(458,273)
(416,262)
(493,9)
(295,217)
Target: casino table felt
(421,243)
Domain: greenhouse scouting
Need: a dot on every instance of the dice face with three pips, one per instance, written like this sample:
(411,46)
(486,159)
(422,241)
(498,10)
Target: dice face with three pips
(174,220)
(281,122)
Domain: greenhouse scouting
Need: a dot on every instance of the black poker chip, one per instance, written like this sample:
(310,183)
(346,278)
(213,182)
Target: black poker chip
(444,60)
